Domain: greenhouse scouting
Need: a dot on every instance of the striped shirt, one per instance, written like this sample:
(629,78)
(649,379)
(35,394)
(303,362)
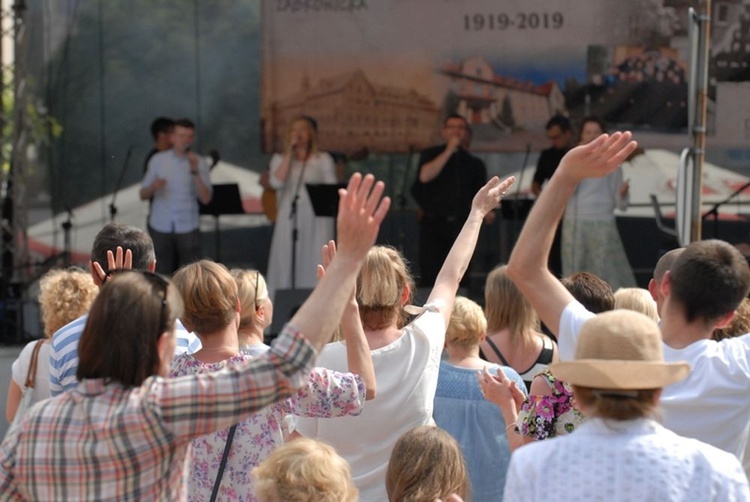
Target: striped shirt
(63,356)
(107,442)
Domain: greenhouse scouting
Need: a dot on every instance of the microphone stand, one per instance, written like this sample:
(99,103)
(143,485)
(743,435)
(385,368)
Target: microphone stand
(715,209)
(402,200)
(112,206)
(518,186)
(293,217)
(66,226)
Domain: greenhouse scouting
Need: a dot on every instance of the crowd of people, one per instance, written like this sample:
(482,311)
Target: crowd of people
(162,387)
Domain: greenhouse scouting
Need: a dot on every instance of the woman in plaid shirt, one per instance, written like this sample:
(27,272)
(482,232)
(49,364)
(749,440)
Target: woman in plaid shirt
(123,433)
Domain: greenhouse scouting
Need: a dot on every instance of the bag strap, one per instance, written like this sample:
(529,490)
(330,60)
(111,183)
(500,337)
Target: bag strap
(217,483)
(31,374)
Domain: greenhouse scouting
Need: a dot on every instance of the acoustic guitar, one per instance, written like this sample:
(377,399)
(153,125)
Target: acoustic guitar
(268,199)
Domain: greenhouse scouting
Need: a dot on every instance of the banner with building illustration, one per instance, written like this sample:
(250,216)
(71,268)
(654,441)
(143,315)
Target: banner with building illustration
(381,75)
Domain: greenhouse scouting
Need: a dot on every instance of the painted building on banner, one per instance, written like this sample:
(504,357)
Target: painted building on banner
(354,113)
(484,97)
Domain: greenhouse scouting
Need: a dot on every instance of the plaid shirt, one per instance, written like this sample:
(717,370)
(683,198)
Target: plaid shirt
(107,442)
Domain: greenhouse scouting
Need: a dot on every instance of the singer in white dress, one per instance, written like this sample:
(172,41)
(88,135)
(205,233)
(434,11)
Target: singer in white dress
(301,159)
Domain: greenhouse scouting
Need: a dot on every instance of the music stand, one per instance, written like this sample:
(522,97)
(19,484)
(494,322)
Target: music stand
(225,200)
(325,198)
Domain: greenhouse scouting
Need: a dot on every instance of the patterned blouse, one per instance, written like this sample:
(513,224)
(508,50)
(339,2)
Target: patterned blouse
(328,394)
(543,417)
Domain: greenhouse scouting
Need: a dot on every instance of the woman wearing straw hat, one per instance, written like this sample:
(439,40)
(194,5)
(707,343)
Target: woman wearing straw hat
(621,452)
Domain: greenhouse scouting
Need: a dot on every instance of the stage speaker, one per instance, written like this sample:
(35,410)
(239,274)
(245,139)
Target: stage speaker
(286,302)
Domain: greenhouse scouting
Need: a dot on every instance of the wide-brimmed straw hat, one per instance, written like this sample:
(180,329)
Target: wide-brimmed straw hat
(620,349)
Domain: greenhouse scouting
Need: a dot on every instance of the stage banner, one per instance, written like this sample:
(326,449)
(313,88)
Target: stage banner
(380,75)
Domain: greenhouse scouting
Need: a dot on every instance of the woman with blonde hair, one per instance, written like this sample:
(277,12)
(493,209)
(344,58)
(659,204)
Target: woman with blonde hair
(256,310)
(513,335)
(64,295)
(637,299)
(301,163)
(460,408)
(304,470)
(213,313)
(426,464)
(406,355)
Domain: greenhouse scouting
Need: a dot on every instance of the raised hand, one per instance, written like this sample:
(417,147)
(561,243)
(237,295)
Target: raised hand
(115,261)
(362,209)
(489,196)
(598,158)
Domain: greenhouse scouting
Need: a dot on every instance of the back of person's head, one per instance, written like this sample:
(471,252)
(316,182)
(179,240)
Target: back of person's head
(665,263)
(304,470)
(426,464)
(161,125)
(126,321)
(64,296)
(506,307)
(210,296)
(185,123)
(560,121)
(619,369)
(127,237)
(591,291)
(381,286)
(708,280)
(739,326)
(467,325)
(251,291)
(637,299)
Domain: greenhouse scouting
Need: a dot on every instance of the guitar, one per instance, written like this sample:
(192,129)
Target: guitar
(268,199)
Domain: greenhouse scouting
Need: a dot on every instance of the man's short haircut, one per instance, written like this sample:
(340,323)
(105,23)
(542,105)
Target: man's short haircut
(161,125)
(456,116)
(186,123)
(591,291)
(127,237)
(560,121)
(665,263)
(709,279)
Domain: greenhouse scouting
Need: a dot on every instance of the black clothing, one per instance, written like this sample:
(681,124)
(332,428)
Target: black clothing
(548,161)
(446,202)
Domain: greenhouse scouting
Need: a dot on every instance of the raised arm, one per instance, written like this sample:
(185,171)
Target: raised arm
(430,170)
(359,359)
(455,264)
(528,262)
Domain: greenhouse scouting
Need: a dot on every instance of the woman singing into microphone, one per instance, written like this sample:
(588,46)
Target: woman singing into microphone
(301,163)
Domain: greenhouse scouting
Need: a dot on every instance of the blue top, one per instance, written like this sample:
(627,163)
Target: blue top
(477,425)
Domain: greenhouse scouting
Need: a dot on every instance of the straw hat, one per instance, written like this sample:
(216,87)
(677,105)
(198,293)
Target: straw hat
(620,349)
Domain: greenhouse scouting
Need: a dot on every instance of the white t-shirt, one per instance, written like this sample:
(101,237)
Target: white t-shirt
(407,374)
(712,404)
(21,368)
(624,461)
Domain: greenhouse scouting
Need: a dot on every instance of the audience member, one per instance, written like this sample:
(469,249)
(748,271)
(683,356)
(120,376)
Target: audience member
(63,357)
(211,312)
(739,326)
(426,464)
(123,434)
(590,239)
(406,357)
(621,452)
(447,179)
(64,295)
(175,181)
(513,336)
(460,408)
(655,284)
(701,290)
(256,310)
(591,291)
(304,470)
(291,263)
(639,300)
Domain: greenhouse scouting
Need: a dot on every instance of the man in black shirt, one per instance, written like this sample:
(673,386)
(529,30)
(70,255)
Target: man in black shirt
(560,134)
(449,177)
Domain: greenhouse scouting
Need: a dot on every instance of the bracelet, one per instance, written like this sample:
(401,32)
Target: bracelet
(507,427)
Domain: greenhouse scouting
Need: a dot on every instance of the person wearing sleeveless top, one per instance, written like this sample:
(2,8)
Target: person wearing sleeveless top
(513,336)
